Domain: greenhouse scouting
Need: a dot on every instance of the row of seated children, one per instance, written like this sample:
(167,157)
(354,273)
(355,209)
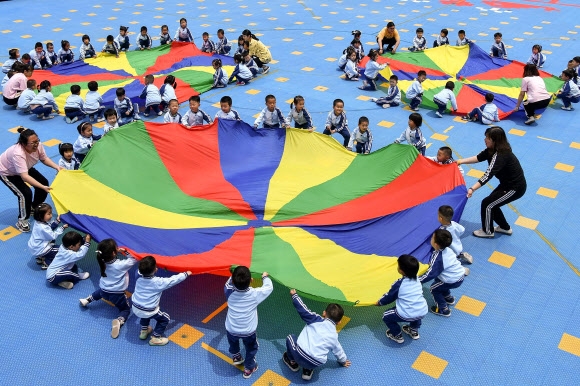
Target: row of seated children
(420,43)
(356,46)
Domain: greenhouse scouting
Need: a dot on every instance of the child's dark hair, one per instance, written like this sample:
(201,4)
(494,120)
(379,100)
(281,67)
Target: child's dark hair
(24,135)
(461,32)
(497,35)
(363,119)
(85,37)
(40,211)
(165,26)
(110,38)
(75,89)
(123,28)
(443,238)
(445,31)
(169,79)
(147,266)
(449,85)
(182,19)
(416,118)
(241,37)
(83,126)
(575,58)
(71,238)
(421,73)
(93,86)
(44,84)
(409,265)
(334,312)
(110,113)
(172,101)
(241,277)
(373,54)
(446,212)
(30,83)
(447,150)
(336,101)
(38,44)
(571,74)
(537,47)
(355,41)
(419,30)
(64,43)
(49,44)
(120,91)
(143,28)
(12,53)
(216,62)
(268,97)
(355,33)
(26,56)
(297,99)
(238,58)
(220,31)
(64,147)
(149,78)
(195,98)
(489,97)
(106,252)
(205,34)
(394,77)
(226,99)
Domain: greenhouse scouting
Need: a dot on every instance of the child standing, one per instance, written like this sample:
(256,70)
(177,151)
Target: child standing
(144,41)
(442,38)
(94,103)
(13,56)
(444,157)
(110,121)
(123,39)
(316,339)
(207,45)
(183,34)
(242,317)
(461,39)
(372,72)
(172,115)
(85,140)
(414,93)
(39,57)
(44,233)
(220,77)
(127,111)
(498,49)
(241,72)
(537,58)
(336,122)
(27,96)
(222,47)
(111,46)
(63,271)
(74,105)
(361,137)
(151,95)
(350,69)
(419,41)
(271,117)
(301,116)
(167,92)
(413,135)
(67,161)
(445,218)
(87,50)
(114,281)
(164,37)
(226,111)
(410,305)
(393,97)
(569,93)
(50,54)
(65,54)
(486,113)
(43,103)
(195,116)
(444,96)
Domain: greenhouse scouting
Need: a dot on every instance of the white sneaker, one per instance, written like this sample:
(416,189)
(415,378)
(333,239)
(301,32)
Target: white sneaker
(115,327)
(467,257)
(569,108)
(386,106)
(438,114)
(66,284)
(530,120)
(373,99)
(84,275)
(504,231)
(160,113)
(84,302)
(481,233)
(161,341)
(467,271)
(22,225)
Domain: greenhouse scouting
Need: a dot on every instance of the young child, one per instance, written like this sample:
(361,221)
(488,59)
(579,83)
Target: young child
(220,77)
(151,95)
(356,45)
(65,54)
(443,97)
(414,93)
(39,57)
(74,105)
(26,60)
(50,54)
(13,56)
(336,122)
(111,46)
(569,93)
(172,115)
(572,67)
(241,72)
(207,45)
(242,316)
(110,121)
(127,111)
(413,135)
(250,63)
(442,39)
(350,69)
(271,117)
(146,297)
(195,116)
(63,271)
(85,140)
(123,39)
(94,103)
(316,339)
(114,281)
(347,53)
(67,161)
(44,233)
(372,72)
(461,39)
(410,305)
(43,103)
(27,96)
(226,111)
(446,270)
(498,49)
(183,34)
(537,58)
(144,41)
(361,137)
(419,41)
(444,157)
(393,97)
(445,218)
(486,114)
(222,46)
(167,92)
(87,50)
(356,34)
(301,116)
(240,48)
(164,37)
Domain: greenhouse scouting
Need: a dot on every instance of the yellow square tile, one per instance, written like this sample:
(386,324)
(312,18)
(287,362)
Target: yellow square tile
(287,39)
(501,259)
(252,91)
(290,100)
(428,145)
(363,98)
(321,88)
(458,119)
(296,53)
(564,167)
(570,343)
(5,31)
(8,233)
(299,22)
(386,124)
(26,36)
(217,104)
(46,15)
(318,45)
(255,116)
(469,305)
(52,142)
(270,378)
(527,222)
(575,145)
(18,21)
(57,29)
(475,173)
(331,59)
(519,133)
(307,33)
(343,323)
(14,129)
(37,25)
(547,192)
(185,336)
(281,79)
(556,45)
(99,125)
(429,364)
(338,38)
(307,69)
(439,137)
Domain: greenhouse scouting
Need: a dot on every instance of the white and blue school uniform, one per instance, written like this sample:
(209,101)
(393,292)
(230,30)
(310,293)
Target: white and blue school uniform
(223,46)
(253,67)
(72,165)
(338,123)
(441,41)
(152,98)
(419,44)
(220,78)
(74,106)
(242,317)
(123,42)
(42,240)
(537,59)
(122,107)
(87,51)
(183,35)
(26,97)
(441,99)
(191,118)
(342,61)
(165,39)
(240,49)
(360,52)
(40,60)
(393,97)
(498,50)
(414,94)
(207,46)
(146,297)
(302,119)
(44,102)
(82,146)
(449,161)
(168,118)
(270,119)
(108,127)
(351,70)
(144,41)
(487,113)
(462,42)
(94,104)
(410,305)
(7,65)
(448,273)
(241,73)
(413,137)
(167,94)
(111,48)
(231,115)
(372,73)
(316,339)
(66,56)
(569,93)
(63,267)
(364,141)
(52,56)
(456,231)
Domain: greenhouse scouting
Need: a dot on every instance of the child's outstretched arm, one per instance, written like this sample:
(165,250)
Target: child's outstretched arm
(392,295)
(229,288)
(435,267)
(308,316)
(265,290)
(260,118)
(168,282)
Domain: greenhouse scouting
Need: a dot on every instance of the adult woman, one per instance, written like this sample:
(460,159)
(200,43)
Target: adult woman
(538,96)
(17,169)
(257,50)
(512,184)
(390,37)
(15,85)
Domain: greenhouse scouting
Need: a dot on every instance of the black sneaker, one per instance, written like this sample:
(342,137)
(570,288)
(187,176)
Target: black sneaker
(237,359)
(414,334)
(307,374)
(293,366)
(435,310)
(450,300)
(399,338)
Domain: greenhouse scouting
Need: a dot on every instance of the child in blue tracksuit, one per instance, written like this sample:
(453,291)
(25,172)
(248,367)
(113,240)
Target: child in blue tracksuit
(414,93)
(486,114)
(167,92)
(84,141)
(498,49)
(67,160)
(344,58)
(195,116)
(44,233)
(336,122)
(43,103)
(410,305)
(220,77)
(148,290)
(298,114)
(164,37)
(242,317)
(207,45)
(317,338)
(114,281)
(445,218)
(270,117)
(65,54)
(27,96)
(94,103)
(393,97)
(362,136)
(144,41)
(123,39)
(183,34)
(74,105)
(443,97)
(413,135)
(350,69)
(241,72)
(63,271)
(537,58)
(569,93)
(222,46)
(127,111)
(447,271)
(151,95)
(372,72)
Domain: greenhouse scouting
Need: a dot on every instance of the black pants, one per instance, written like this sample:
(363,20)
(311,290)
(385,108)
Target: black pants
(531,107)
(258,62)
(25,201)
(344,132)
(491,207)
(390,43)
(10,102)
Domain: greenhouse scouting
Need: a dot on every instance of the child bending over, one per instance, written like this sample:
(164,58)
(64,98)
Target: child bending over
(414,93)
(443,97)
(372,72)
(445,157)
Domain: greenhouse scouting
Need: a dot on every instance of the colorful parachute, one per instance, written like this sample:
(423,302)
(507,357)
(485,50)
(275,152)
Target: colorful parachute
(474,72)
(296,204)
(191,67)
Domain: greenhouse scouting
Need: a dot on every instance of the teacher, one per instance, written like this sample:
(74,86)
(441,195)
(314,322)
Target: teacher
(17,169)
(390,37)
(15,85)
(257,50)
(538,97)
(512,184)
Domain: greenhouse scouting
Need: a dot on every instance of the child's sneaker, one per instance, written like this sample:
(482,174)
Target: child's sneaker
(292,366)
(101,119)
(158,341)
(241,83)
(66,284)
(145,333)
(237,359)
(248,373)
(67,120)
(307,374)
(84,302)
(39,116)
(23,226)
(415,109)
(450,300)
(569,108)
(115,327)
(508,232)
(467,271)
(44,266)
(160,113)
(438,114)
(84,275)
(466,257)
(265,69)
(465,118)
(373,99)
(386,106)
(399,338)
(74,119)
(39,260)
(414,334)
(49,117)
(146,114)
(435,310)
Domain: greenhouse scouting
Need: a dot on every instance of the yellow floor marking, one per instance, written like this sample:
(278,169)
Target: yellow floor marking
(217,311)
(430,365)
(220,355)
(549,139)
(448,129)
(343,323)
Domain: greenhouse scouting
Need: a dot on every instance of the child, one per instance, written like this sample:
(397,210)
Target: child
(486,113)
(183,34)
(270,117)
(498,49)
(445,218)
(356,45)
(94,103)
(123,39)
(344,58)
(13,55)
(242,317)
(461,39)
(361,137)
(146,297)
(84,142)
(63,271)
(43,103)
(222,47)
(419,41)
(444,96)
(250,63)
(50,54)
(195,116)
(110,121)
(537,58)
(164,37)
(240,48)
(167,92)
(442,38)
(74,105)
(87,50)
(414,93)
(65,54)
(111,46)
(412,134)
(446,270)
(356,34)
(39,57)
(372,72)
(336,122)
(27,96)
(569,93)
(44,233)
(220,77)
(207,45)
(151,95)
(226,111)
(241,72)
(172,115)
(67,161)
(114,281)
(144,41)
(410,305)
(445,157)
(350,69)
(127,111)
(393,97)
(316,339)
(573,69)
(26,59)
(301,116)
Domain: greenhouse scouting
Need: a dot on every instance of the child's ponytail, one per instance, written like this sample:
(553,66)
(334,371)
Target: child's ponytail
(106,252)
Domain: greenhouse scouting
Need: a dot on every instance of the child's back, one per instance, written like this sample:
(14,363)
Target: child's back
(242,317)
(25,98)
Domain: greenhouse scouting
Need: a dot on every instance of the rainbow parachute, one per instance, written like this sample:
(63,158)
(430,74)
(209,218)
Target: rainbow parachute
(296,204)
(474,72)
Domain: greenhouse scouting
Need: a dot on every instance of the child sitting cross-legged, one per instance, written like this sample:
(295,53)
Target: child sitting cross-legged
(393,97)
(63,270)
(485,114)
